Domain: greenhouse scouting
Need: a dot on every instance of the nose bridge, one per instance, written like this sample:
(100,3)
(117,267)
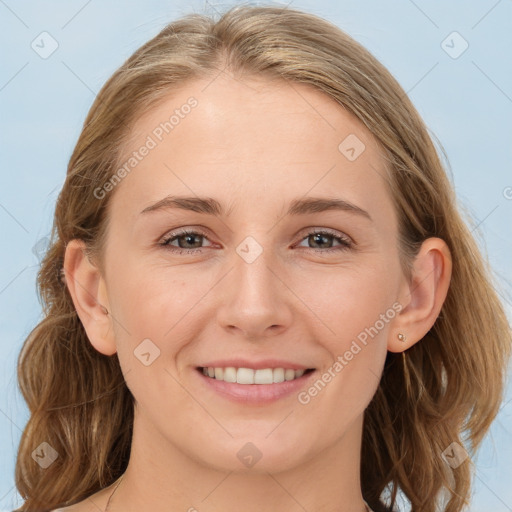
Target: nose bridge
(256,297)
(253,270)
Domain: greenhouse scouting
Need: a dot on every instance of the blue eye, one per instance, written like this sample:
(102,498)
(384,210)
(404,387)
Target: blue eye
(191,237)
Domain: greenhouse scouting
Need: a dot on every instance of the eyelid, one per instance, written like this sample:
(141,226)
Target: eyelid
(308,231)
(345,242)
(192,230)
(329,231)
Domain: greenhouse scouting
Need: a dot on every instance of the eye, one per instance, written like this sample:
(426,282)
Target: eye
(190,237)
(190,241)
(320,237)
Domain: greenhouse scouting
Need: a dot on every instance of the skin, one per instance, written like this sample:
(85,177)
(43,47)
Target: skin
(254,145)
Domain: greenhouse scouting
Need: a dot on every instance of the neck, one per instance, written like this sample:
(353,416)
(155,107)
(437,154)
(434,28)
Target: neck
(160,477)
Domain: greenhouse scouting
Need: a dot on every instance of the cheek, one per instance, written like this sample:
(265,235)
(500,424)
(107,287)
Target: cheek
(151,325)
(358,308)
(347,303)
(149,302)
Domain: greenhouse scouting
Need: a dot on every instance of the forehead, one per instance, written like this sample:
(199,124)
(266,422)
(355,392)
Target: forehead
(252,139)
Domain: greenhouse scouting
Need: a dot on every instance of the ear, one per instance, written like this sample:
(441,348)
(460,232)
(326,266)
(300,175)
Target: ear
(423,296)
(88,291)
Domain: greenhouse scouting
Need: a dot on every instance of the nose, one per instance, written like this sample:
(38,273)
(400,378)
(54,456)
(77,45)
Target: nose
(256,299)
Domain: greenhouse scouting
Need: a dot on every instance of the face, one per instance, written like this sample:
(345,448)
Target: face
(265,283)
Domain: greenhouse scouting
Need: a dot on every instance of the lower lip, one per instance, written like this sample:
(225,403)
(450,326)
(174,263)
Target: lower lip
(256,394)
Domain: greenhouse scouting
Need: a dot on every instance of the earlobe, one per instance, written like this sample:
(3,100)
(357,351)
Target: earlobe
(423,296)
(87,289)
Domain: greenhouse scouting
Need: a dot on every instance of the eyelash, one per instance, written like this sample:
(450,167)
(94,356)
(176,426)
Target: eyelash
(345,242)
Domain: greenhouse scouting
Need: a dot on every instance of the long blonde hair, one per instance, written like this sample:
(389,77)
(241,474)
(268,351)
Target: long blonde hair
(448,387)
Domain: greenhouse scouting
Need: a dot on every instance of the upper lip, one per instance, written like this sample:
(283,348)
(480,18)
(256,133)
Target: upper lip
(255,365)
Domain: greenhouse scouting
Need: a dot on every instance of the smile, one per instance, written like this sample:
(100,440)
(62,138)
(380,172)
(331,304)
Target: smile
(250,376)
(254,387)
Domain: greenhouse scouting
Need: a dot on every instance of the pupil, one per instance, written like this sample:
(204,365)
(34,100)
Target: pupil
(318,236)
(188,239)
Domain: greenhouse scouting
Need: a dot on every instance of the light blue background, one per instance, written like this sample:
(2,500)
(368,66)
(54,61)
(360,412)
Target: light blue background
(466,103)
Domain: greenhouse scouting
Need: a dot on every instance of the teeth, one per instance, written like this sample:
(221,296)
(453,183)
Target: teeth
(265,376)
(289,374)
(245,376)
(278,375)
(250,376)
(230,374)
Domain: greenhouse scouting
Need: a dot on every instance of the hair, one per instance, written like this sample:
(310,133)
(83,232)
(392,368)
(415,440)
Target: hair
(426,400)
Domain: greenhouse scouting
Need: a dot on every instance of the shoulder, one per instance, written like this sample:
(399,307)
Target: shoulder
(95,503)
(82,506)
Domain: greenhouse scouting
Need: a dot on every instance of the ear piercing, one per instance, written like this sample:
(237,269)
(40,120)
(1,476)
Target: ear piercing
(401,337)
(104,309)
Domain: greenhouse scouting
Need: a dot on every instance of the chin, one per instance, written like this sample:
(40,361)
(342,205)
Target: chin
(254,454)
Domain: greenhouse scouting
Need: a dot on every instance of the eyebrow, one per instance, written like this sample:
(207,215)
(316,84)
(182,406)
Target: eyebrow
(210,206)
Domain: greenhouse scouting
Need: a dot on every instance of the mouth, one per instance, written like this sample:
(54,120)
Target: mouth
(247,376)
(254,387)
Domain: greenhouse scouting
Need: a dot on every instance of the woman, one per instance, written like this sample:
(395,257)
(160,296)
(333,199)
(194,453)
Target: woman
(322,342)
